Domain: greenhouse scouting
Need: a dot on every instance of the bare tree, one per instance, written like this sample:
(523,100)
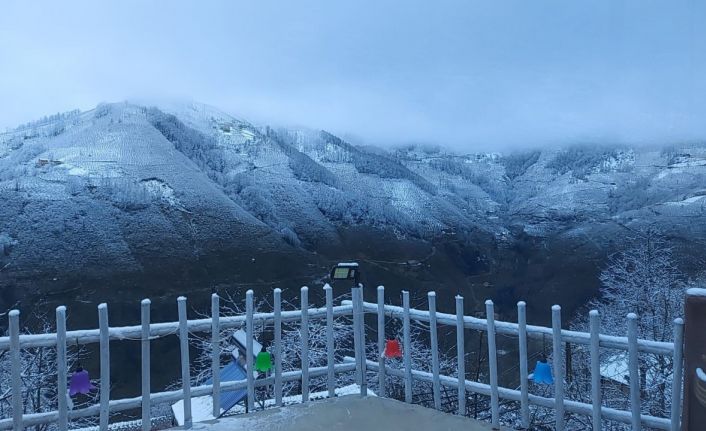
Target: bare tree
(643,279)
(39,380)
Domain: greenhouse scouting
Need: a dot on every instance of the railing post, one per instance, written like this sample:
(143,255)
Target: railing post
(407,353)
(359,338)
(558,368)
(61,368)
(436,383)
(694,403)
(16,369)
(278,345)
(678,363)
(356,337)
(524,373)
(145,369)
(249,334)
(104,365)
(493,364)
(305,342)
(185,363)
(461,356)
(633,360)
(381,341)
(330,347)
(595,325)
(216,353)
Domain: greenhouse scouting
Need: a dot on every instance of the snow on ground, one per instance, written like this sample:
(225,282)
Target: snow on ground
(347,413)
(163,191)
(691,200)
(696,291)
(202,407)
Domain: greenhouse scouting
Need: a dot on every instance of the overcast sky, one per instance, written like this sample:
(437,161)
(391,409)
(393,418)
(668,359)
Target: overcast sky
(467,74)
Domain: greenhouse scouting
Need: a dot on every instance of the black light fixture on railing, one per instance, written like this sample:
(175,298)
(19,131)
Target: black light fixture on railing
(346,271)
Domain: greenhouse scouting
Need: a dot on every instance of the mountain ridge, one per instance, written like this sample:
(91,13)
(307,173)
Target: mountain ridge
(129,188)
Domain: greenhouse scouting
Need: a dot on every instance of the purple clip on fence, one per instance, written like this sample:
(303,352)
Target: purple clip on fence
(80,382)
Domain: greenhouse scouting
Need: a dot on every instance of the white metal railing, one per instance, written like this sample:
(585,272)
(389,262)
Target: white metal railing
(356,308)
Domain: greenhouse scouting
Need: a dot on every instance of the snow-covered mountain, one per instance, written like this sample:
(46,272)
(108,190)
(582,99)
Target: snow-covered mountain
(134,187)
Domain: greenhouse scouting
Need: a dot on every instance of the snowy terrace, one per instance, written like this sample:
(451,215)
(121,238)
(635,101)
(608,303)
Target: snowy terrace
(364,365)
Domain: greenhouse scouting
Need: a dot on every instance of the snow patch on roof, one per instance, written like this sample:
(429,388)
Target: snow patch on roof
(696,291)
(616,369)
(701,375)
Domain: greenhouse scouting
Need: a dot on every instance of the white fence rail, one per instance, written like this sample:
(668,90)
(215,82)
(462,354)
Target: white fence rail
(356,308)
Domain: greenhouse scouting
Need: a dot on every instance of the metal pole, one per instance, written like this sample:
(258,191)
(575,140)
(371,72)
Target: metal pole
(634,372)
(595,324)
(356,339)
(693,405)
(330,347)
(524,373)
(216,353)
(407,348)
(105,365)
(493,364)
(185,362)
(278,346)
(436,383)
(381,341)
(249,327)
(678,362)
(61,367)
(361,336)
(145,369)
(558,368)
(461,356)
(16,369)
(305,343)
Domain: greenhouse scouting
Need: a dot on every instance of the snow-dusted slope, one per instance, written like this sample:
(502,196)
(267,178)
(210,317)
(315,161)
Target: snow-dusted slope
(122,182)
(106,187)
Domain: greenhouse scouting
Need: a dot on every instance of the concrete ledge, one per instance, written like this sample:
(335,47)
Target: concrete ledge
(347,413)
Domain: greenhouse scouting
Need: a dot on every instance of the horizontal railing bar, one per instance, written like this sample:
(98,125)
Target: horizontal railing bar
(171,396)
(204,325)
(515,395)
(510,328)
(88,336)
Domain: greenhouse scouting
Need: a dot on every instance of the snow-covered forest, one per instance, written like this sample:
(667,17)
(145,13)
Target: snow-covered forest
(185,166)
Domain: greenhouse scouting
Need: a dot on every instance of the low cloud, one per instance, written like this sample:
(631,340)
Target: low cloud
(469,75)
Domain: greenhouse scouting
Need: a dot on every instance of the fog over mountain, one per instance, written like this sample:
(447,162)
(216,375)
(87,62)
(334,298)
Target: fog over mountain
(473,76)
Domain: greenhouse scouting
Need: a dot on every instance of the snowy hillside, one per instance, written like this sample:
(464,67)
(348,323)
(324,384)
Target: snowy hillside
(105,187)
(132,186)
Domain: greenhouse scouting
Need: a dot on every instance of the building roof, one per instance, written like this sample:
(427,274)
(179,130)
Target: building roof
(202,407)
